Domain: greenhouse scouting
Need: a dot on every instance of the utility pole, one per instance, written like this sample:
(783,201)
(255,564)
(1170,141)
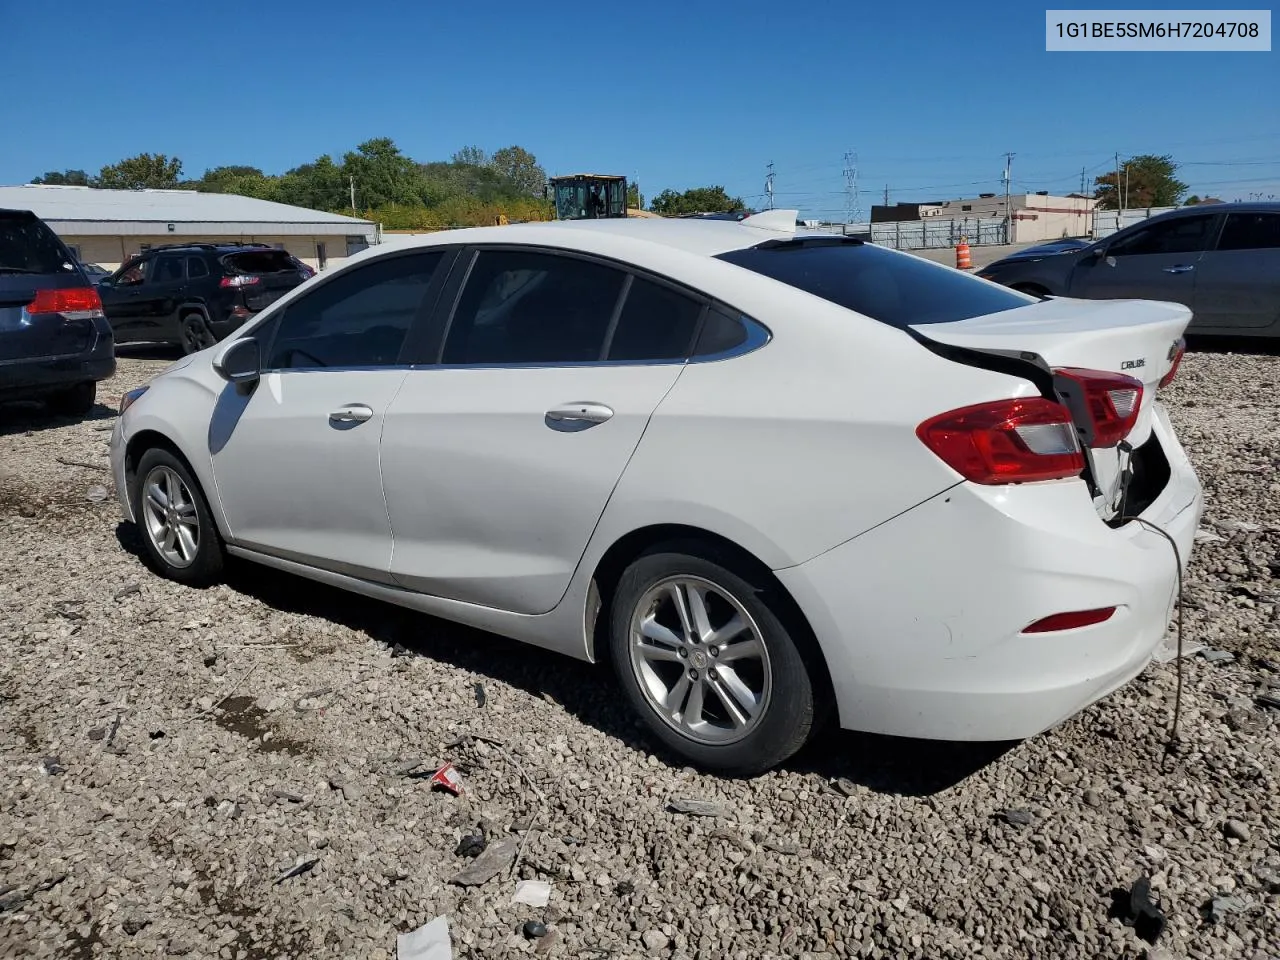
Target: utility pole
(353,195)
(852,209)
(886,194)
(1082,171)
(1008,209)
(1119,198)
(768,186)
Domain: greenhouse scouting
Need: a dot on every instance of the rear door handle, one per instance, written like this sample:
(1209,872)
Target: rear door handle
(577,416)
(1180,268)
(352,413)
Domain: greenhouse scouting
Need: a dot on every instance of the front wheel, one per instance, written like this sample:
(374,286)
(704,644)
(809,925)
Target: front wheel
(177,528)
(706,659)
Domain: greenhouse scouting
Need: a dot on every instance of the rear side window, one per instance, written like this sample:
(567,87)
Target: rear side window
(27,245)
(260,261)
(1250,231)
(196,268)
(167,270)
(657,323)
(359,319)
(895,289)
(519,307)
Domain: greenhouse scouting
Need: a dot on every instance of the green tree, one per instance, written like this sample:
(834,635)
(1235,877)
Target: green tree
(145,170)
(68,178)
(698,200)
(382,174)
(1192,200)
(471,156)
(1145,181)
(319,185)
(635,199)
(520,167)
(242,180)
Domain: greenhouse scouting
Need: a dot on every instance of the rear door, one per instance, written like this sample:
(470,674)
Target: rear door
(1238,282)
(499,459)
(1157,261)
(158,298)
(32,259)
(262,275)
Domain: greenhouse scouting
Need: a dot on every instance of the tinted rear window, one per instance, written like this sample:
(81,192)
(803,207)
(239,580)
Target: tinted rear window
(894,289)
(261,261)
(28,246)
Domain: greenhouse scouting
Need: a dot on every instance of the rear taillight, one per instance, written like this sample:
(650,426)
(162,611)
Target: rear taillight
(75,303)
(1071,621)
(1106,404)
(1175,357)
(1006,441)
(240,280)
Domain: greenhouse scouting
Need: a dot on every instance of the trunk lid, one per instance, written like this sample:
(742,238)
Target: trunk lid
(1137,338)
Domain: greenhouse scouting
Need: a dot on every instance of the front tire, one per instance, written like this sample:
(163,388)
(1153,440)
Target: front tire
(75,401)
(178,532)
(706,658)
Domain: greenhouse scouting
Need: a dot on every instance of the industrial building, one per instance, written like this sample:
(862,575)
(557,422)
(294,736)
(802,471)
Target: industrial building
(1034,216)
(107,227)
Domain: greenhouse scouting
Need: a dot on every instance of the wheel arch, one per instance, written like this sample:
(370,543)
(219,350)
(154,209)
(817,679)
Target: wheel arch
(149,439)
(713,546)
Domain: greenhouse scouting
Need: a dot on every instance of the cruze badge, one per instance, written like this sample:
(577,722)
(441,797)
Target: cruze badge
(1133,364)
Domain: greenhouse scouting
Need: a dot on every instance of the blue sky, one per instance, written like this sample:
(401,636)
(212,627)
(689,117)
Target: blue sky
(675,94)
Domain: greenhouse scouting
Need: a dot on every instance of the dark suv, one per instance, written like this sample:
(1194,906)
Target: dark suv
(55,343)
(194,294)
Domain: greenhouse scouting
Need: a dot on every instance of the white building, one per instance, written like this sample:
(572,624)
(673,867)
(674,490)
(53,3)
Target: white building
(107,227)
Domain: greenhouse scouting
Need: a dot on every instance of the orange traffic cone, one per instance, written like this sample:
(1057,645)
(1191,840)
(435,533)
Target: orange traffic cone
(962,255)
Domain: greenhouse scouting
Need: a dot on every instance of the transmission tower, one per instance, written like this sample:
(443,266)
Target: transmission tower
(768,186)
(852,198)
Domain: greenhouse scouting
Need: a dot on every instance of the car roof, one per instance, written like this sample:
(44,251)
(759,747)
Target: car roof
(1238,206)
(693,235)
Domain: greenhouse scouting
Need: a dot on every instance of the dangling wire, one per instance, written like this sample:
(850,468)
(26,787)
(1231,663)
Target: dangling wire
(1172,744)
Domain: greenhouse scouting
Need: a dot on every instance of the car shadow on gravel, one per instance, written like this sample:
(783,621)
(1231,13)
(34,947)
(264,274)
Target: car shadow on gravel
(25,416)
(1254,346)
(148,351)
(589,692)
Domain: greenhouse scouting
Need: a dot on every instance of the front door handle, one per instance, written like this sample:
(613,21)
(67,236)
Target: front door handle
(1180,268)
(577,416)
(351,413)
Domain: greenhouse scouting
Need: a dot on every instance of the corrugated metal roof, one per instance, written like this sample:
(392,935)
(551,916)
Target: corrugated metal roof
(162,206)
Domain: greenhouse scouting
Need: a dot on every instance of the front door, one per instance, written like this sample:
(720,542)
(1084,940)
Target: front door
(122,302)
(499,460)
(1238,287)
(1152,261)
(296,461)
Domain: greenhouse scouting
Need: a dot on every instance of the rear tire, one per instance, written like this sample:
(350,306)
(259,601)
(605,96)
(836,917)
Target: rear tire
(706,659)
(194,334)
(75,401)
(178,533)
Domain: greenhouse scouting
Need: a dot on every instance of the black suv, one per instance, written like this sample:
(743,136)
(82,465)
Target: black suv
(194,294)
(55,343)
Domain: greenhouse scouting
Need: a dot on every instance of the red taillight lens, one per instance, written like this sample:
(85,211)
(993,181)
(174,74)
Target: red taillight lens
(1178,350)
(239,280)
(1070,621)
(1007,441)
(73,301)
(1108,401)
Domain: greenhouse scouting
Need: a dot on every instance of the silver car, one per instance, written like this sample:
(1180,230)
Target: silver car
(1221,261)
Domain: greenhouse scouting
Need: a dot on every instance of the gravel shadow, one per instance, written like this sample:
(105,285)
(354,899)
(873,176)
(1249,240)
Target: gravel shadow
(148,351)
(1253,346)
(588,691)
(25,416)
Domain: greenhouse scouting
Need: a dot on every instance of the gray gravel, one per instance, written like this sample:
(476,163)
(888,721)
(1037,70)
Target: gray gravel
(244,771)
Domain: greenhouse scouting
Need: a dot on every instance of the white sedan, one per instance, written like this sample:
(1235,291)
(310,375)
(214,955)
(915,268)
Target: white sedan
(775,477)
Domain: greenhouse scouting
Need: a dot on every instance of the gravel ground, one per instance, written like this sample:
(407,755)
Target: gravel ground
(173,753)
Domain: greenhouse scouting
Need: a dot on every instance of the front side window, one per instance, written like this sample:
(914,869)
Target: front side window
(523,307)
(1178,235)
(131,274)
(359,319)
(1250,231)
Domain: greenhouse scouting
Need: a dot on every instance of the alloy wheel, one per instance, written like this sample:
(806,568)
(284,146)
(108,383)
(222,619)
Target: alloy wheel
(700,660)
(170,517)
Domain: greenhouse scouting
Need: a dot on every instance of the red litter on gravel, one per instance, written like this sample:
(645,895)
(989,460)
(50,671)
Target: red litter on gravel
(450,779)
